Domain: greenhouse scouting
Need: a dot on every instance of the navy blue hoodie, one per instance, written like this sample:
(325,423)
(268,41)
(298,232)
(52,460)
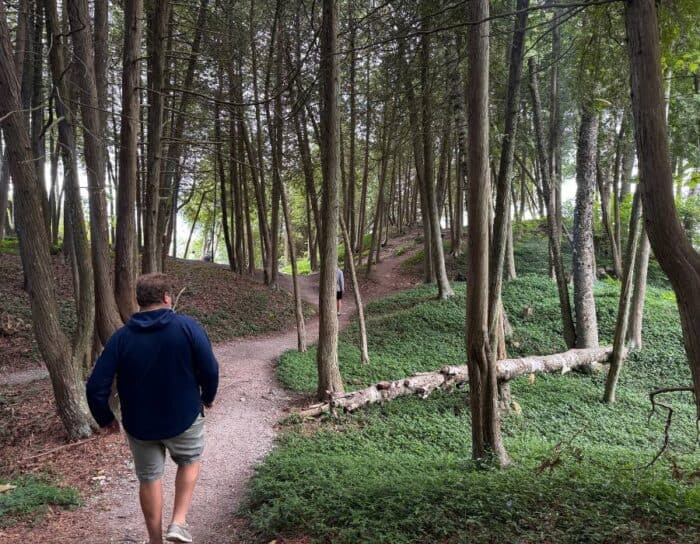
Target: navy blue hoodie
(165,370)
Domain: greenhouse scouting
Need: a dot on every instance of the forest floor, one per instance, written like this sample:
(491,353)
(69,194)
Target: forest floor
(241,427)
(401,472)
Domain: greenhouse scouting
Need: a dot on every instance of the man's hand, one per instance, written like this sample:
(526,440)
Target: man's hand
(111,428)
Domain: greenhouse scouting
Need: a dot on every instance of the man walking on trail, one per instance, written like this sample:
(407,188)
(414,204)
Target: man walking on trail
(339,289)
(166,373)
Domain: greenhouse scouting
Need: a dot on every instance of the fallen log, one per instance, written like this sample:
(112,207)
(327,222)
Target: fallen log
(449,377)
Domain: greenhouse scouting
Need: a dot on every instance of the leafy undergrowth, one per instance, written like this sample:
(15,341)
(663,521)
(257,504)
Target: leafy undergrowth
(227,305)
(532,256)
(32,495)
(401,472)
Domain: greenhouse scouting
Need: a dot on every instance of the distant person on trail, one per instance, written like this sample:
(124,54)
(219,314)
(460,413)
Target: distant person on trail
(166,374)
(339,289)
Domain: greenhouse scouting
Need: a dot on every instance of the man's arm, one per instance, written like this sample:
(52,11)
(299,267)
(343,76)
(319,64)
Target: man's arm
(205,364)
(99,385)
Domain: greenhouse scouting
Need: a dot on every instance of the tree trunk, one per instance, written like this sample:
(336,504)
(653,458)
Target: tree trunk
(671,245)
(158,14)
(583,258)
(483,386)
(623,312)
(125,258)
(634,331)
(433,217)
(298,307)
(604,191)
(365,173)
(221,174)
(364,353)
(503,188)
(450,377)
(554,231)
(329,379)
(107,313)
(65,372)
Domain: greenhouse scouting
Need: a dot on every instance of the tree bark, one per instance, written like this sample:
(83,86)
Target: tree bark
(623,312)
(64,369)
(433,217)
(157,16)
(125,258)
(364,353)
(450,377)
(583,258)
(553,225)
(329,379)
(483,386)
(671,245)
(107,313)
(503,185)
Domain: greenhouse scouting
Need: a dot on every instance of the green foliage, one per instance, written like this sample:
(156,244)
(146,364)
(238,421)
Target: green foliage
(303,267)
(9,246)
(401,472)
(32,497)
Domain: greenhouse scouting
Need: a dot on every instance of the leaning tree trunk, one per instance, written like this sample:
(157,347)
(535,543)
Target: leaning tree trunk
(364,353)
(554,231)
(623,312)
(298,307)
(125,244)
(107,315)
(634,330)
(483,386)
(671,246)
(503,184)
(329,379)
(65,374)
(584,267)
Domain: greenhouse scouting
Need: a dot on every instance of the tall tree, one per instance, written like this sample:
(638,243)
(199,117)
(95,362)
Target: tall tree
(329,379)
(157,16)
(433,215)
(483,386)
(671,245)
(107,312)
(584,266)
(126,244)
(63,360)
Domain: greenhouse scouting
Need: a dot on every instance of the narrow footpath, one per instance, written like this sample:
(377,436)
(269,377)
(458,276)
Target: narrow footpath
(240,428)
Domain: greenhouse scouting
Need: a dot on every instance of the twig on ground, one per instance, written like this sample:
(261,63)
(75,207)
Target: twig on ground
(177,298)
(669,417)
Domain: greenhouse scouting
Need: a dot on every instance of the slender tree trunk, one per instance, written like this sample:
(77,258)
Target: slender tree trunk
(364,353)
(126,243)
(298,307)
(553,224)
(503,188)
(365,172)
(221,174)
(604,191)
(623,312)
(584,266)
(433,217)
(157,17)
(329,380)
(194,223)
(483,388)
(107,313)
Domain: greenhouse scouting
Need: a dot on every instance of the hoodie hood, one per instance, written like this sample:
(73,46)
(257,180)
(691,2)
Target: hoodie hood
(151,321)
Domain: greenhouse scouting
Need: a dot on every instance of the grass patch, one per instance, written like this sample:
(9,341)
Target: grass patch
(402,472)
(303,267)
(31,498)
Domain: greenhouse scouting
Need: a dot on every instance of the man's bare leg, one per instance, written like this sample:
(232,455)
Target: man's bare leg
(151,497)
(185,481)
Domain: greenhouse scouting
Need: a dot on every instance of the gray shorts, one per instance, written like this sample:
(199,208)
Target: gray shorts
(149,455)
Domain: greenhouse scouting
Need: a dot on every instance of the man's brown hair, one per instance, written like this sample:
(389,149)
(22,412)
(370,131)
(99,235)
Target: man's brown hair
(151,288)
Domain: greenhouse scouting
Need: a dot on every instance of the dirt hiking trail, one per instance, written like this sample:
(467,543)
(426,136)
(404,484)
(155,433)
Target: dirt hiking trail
(240,429)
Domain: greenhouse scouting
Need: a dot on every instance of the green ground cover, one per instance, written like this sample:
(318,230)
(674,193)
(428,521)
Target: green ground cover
(402,472)
(31,496)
